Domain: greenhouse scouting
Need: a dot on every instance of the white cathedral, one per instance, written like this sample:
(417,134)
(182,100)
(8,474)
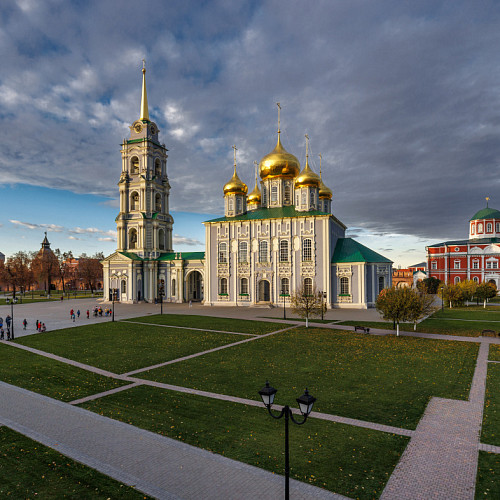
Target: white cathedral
(279,238)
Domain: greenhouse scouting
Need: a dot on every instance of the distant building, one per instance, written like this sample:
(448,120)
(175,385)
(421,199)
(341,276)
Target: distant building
(410,276)
(2,257)
(476,258)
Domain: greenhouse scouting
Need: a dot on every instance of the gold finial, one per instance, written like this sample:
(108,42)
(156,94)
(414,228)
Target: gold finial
(487,200)
(307,147)
(320,158)
(279,122)
(144,99)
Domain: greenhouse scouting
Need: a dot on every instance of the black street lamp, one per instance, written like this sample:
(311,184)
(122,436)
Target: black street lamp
(12,302)
(306,402)
(161,293)
(284,295)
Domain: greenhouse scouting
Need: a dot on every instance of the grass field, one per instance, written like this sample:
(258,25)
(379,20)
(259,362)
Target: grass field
(51,378)
(491,417)
(494,354)
(488,476)
(120,347)
(31,470)
(387,380)
(349,460)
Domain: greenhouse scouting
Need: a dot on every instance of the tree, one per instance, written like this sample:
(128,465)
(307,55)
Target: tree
(486,291)
(430,285)
(64,267)
(16,272)
(90,270)
(468,289)
(397,304)
(307,303)
(45,267)
(421,307)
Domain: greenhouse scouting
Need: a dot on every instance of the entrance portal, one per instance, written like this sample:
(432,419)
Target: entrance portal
(194,286)
(264,291)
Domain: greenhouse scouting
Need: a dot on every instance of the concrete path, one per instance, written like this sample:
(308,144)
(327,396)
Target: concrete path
(440,461)
(156,465)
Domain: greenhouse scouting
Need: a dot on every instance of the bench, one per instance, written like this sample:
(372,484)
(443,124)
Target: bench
(363,329)
(488,333)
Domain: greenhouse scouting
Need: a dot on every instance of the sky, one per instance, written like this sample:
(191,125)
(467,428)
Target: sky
(401,99)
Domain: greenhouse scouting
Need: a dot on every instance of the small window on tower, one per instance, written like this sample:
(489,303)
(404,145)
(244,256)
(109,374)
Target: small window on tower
(479,228)
(287,195)
(489,227)
(274,194)
(134,165)
(472,229)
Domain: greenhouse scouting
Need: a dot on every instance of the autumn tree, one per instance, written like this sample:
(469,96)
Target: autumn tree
(45,268)
(453,294)
(429,285)
(486,291)
(468,289)
(90,270)
(307,301)
(16,272)
(398,305)
(64,267)
(422,306)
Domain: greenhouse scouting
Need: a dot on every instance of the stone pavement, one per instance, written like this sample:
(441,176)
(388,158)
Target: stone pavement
(440,461)
(156,465)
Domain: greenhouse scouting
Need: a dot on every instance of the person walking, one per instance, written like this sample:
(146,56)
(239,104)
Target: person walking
(71,313)
(1,322)
(8,320)
(8,333)
(88,314)
(2,333)
(43,329)
(25,323)
(78,313)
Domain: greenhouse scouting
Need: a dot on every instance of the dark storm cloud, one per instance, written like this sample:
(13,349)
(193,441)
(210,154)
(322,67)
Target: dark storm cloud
(401,99)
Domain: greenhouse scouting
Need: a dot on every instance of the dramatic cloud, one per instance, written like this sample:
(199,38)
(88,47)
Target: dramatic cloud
(182,240)
(400,98)
(90,231)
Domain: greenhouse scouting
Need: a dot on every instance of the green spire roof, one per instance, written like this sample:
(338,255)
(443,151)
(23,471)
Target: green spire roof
(486,213)
(349,250)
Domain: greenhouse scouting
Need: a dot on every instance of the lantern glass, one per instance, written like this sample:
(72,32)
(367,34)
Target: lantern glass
(267,394)
(306,402)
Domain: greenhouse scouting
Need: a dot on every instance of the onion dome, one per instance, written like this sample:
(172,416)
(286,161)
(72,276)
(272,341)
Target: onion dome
(307,177)
(255,197)
(235,185)
(486,213)
(279,163)
(324,192)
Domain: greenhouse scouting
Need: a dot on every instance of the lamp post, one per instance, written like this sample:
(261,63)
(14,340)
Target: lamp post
(305,402)
(161,293)
(12,302)
(323,296)
(113,298)
(442,298)
(284,295)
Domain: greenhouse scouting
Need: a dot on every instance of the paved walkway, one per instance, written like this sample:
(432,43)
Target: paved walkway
(156,465)
(440,461)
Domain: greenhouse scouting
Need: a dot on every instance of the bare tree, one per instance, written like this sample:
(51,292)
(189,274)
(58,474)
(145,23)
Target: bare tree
(90,270)
(45,267)
(64,267)
(306,303)
(16,272)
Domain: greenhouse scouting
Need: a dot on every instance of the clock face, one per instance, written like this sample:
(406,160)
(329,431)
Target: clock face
(138,127)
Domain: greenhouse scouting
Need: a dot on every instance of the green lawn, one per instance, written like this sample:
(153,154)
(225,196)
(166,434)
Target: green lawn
(491,417)
(349,460)
(51,378)
(387,380)
(120,347)
(31,470)
(488,476)
(383,325)
(212,323)
(494,354)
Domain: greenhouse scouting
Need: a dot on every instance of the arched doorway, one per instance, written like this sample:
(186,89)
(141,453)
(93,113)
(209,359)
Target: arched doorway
(264,291)
(194,286)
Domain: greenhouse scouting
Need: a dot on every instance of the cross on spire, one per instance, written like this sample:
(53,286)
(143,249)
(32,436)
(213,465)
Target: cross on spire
(235,149)
(279,122)
(487,200)
(320,158)
(307,145)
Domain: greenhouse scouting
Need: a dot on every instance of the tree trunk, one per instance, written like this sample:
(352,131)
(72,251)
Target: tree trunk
(415,326)
(307,321)
(397,329)
(484,303)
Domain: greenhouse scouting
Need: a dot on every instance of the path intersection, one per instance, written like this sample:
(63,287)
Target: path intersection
(440,461)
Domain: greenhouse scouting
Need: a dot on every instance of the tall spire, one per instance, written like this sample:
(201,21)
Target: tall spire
(307,149)
(279,124)
(320,173)
(144,99)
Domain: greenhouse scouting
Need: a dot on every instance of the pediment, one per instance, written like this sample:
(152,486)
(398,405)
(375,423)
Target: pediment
(492,249)
(117,257)
(476,250)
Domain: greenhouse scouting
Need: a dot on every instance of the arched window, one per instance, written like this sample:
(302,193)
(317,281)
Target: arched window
(304,197)
(287,195)
(344,286)
(244,286)
(223,286)
(222,253)
(161,239)
(489,227)
(157,168)
(243,252)
(239,204)
(312,198)
(479,228)
(457,279)
(134,165)
(475,279)
(230,204)
(132,238)
(381,283)
(307,250)
(472,229)
(263,257)
(173,288)
(497,227)
(285,286)
(158,202)
(274,194)
(134,201)
(283,251)
(124,287)
(308,286)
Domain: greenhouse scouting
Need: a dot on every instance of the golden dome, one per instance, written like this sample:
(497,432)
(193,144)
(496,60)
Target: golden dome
(255,196)
(279,163)
(324,192)
(307,177)
(235,185)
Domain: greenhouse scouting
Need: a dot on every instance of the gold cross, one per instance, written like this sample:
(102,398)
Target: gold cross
(307,145)
(235,149)
(320,158)
(279,109)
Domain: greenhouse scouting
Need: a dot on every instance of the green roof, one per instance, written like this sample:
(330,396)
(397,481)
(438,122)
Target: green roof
(349,250)
(182,255)
(486,213)
(270,213)
(131,255)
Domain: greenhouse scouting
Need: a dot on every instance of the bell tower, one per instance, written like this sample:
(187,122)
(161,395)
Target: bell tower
(144,224)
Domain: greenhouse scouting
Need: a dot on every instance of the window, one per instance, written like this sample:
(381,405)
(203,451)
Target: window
(243,252)
(285,286)
(497,227)
(263,251)
(230,205)
(344,286)
(173,288)
(157,168)
(475,264)
(489,227)
(124,287)
(312,198)
(223,286)
(306,250)
(479,228)
(457,249)
(244,286)
(134,165)
(158,202)
(381,283)
(132,238)
(264,195)
(297,199)
(472,229)
(222,253)
(283,251)
(304,197)
(493,264)
(239,204)
(457,280)
(274,194)
(457,264)
(475,279)
(434,264)
(287,197)
(161,239)
(134,201)
(308,286)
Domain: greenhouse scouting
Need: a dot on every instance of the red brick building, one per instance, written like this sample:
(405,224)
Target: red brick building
(474,259)
(409,277)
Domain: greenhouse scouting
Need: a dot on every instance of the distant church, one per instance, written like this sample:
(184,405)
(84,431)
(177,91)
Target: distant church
(279,238)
